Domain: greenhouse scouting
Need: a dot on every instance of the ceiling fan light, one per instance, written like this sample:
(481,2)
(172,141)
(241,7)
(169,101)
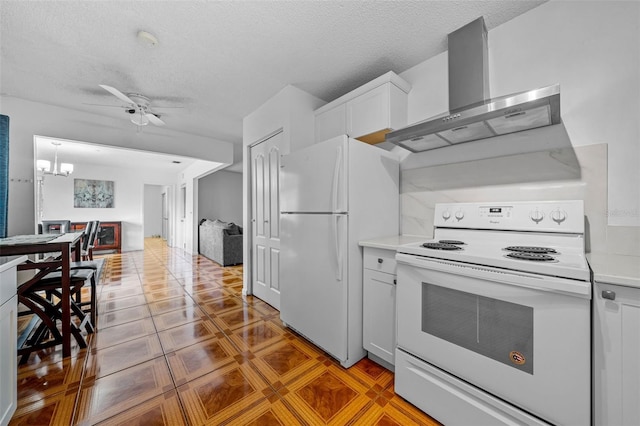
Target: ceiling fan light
(147,39)
(43,165)
(66,168)
(140,120)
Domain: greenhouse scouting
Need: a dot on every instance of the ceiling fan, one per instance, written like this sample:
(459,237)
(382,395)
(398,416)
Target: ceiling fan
(138,106)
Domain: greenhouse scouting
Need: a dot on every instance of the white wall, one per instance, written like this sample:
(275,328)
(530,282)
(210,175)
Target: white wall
(152,212)
(187,227)
(592,49)
(220,197)
(129,191)
(30,118)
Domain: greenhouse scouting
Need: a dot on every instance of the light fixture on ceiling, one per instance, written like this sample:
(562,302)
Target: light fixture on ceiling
(147,39)
(44,166)
(140,119)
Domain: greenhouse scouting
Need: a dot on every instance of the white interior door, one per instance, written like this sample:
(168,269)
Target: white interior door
(265,184)
(183,217)
(165,216)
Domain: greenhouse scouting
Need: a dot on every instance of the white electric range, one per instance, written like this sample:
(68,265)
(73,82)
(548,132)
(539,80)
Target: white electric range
(494,315)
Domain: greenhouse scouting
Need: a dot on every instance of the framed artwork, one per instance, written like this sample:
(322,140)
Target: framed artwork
(89,193)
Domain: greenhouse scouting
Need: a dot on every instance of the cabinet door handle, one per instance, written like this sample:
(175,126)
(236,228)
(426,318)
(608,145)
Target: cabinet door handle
(395,282)
(608,294)
(380,260)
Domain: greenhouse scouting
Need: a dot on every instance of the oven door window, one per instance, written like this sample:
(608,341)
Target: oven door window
(502,331)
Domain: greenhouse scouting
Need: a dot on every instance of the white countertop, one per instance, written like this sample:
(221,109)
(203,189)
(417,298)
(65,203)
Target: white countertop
(615,269)
(8,276)
(392,242)
(8,262)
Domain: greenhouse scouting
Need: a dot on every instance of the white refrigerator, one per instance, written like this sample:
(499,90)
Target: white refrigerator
(332,195)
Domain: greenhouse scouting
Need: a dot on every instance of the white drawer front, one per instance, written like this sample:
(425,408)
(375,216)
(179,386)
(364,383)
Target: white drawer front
(380,260)
(450,400)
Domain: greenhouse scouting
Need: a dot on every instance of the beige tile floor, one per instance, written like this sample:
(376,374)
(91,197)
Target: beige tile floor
(177,344)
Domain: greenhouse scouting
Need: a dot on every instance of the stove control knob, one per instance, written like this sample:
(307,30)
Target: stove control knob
(459,215)
(558,216)
(536,215)
(446,215)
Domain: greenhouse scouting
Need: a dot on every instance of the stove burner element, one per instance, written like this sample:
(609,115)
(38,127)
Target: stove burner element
(441,246)
(531,249)
(454,242)
(536,257)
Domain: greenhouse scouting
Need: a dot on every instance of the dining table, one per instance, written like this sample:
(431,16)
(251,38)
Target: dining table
(57,251)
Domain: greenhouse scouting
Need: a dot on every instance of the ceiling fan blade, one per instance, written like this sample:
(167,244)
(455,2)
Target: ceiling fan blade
(103,105)
(154,119)
(118,94)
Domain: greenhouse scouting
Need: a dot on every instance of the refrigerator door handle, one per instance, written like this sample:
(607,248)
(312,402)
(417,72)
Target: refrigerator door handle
(336,179)
(336,239)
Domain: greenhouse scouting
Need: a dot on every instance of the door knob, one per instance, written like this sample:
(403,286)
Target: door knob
(380,260)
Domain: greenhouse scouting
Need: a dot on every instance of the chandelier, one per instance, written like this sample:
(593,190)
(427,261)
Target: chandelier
(44,166)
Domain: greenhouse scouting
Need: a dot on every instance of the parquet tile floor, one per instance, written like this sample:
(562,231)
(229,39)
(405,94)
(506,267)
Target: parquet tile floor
(177,344)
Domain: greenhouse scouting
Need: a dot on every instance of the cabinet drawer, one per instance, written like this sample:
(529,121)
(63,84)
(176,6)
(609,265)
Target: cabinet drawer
(380,260)
(451,400)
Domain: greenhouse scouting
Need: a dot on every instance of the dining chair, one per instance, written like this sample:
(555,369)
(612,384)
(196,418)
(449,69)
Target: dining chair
(93,278)
(93,270)
(55,226)
(44,300)
(86,237)
(87,254)
(82,275)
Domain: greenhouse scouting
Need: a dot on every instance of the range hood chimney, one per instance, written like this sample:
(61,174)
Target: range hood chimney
(472,114)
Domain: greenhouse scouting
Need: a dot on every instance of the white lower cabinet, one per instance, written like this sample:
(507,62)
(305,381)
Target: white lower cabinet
(8,337)
(616,355)
(8,360)
(379,303)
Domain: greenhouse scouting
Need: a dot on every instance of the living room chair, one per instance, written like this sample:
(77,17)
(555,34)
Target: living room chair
(221,241)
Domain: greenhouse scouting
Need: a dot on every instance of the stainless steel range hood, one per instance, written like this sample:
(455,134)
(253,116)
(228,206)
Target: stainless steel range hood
(472,115)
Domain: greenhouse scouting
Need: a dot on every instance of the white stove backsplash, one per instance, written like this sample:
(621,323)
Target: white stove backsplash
(567,174)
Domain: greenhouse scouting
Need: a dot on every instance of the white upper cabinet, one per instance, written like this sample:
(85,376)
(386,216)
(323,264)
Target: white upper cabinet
(331,123)
(374,114)
(366,113)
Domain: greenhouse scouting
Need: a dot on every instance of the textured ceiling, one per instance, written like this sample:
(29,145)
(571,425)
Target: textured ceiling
(219,60)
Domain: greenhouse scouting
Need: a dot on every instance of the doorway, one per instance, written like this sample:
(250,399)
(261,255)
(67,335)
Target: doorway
(265,218)
(153,211)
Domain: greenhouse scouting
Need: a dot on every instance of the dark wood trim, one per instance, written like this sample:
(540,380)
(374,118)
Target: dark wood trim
(117,235)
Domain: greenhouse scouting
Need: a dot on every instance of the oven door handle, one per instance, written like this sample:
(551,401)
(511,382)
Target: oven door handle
(548,283)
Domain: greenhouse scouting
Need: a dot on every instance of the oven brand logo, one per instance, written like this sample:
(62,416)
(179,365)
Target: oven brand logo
(517,358)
